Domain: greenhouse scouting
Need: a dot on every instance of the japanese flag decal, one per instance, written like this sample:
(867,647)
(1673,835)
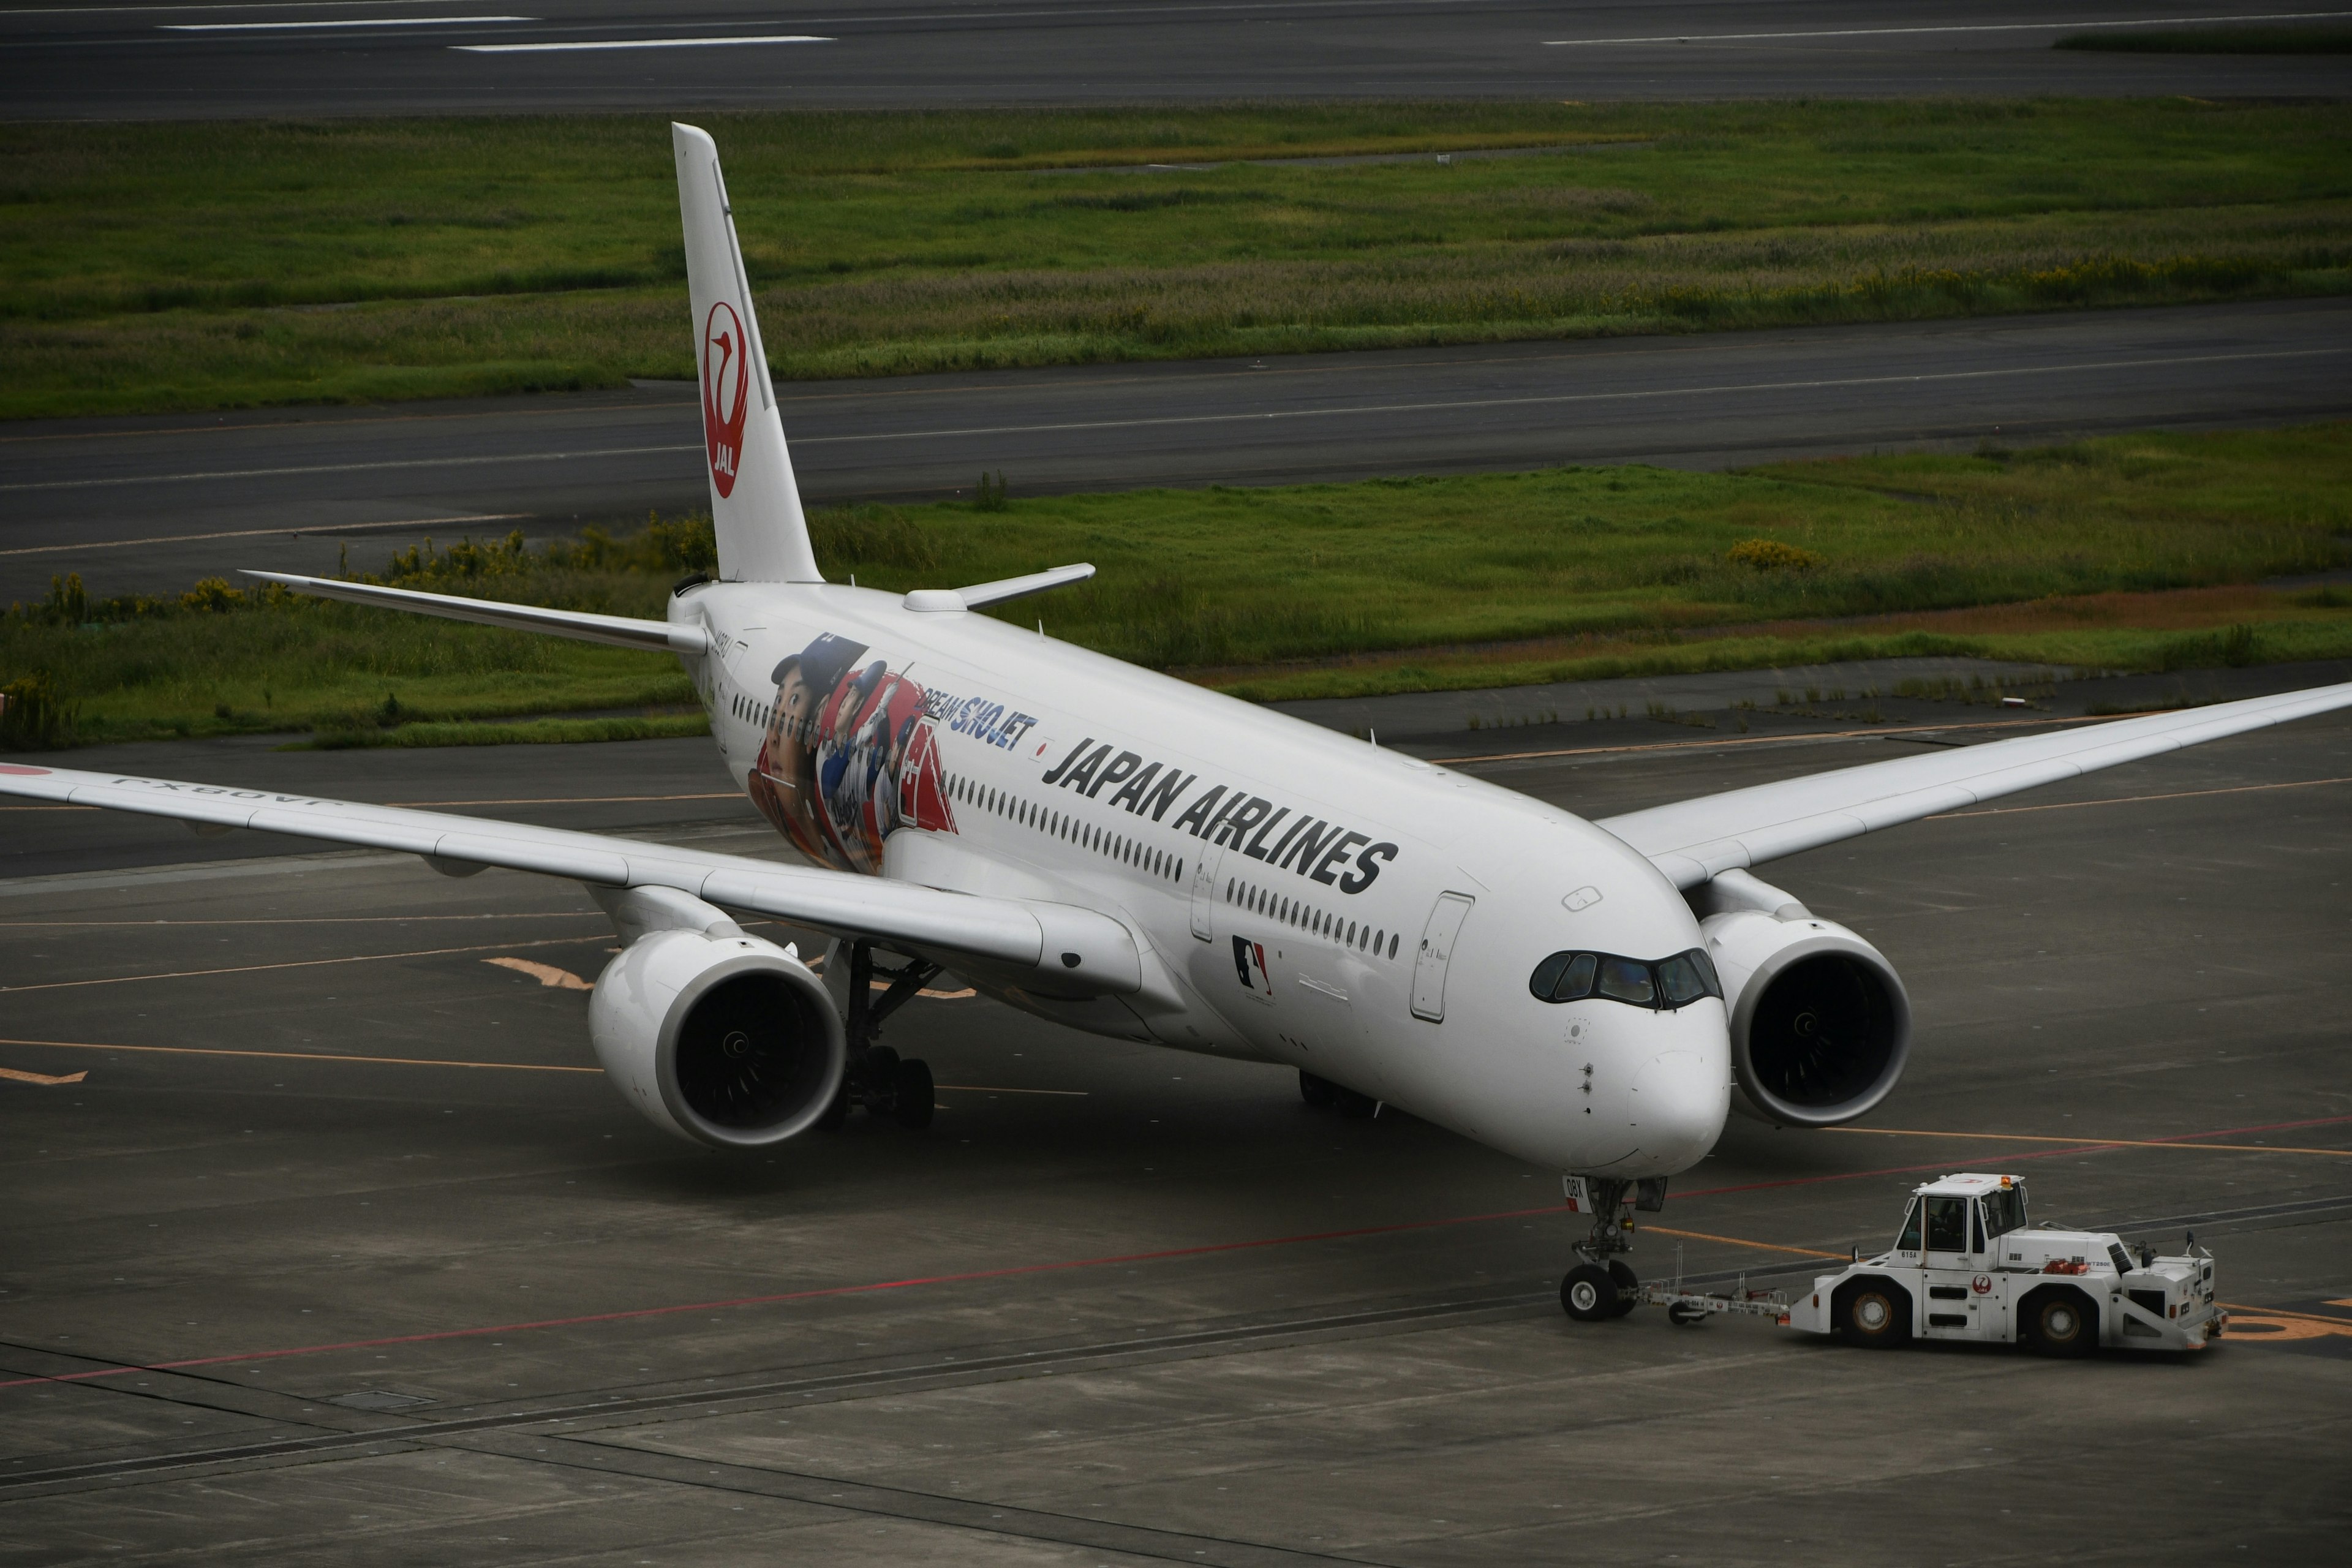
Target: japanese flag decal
(726,387)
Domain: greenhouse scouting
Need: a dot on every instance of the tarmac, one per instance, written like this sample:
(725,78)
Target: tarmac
(1120,1305)
(193,61)
(151,504)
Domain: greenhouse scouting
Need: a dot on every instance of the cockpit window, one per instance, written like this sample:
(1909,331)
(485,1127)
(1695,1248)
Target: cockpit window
(1627,979)
(1668,983)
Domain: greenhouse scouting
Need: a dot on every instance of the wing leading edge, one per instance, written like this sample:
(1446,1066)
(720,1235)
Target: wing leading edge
(1015,934)
(1693,840)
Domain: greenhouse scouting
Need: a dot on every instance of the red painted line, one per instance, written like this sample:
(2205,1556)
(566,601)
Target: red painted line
(1017,1271)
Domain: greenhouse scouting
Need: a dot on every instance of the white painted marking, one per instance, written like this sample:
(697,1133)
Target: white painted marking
(1971,27)
(635,44)
(266,532)
(362,22)
(1335,411)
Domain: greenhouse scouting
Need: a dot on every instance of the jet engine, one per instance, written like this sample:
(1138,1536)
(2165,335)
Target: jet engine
(1821,1026)
(716,1037)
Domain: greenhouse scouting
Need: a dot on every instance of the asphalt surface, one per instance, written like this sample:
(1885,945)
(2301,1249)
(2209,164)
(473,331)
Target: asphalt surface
(415,57)
(336,1256)
(151,504)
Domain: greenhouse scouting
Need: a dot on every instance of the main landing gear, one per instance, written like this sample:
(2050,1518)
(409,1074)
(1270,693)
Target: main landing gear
(1320,1092)
(1602,1284)
(877,1078)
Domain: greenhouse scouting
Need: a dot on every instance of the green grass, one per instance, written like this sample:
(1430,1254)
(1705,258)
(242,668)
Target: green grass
(537,733)
(2321,38)
(148,268)
(2136,551)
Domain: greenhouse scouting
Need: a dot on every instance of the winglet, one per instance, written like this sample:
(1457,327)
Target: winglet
(979,593)
(754,502)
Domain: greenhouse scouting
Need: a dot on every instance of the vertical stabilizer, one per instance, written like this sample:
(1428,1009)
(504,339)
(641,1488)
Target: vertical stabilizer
(756,505)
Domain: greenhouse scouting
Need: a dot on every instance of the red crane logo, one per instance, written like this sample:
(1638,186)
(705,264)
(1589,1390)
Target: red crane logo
(726,387)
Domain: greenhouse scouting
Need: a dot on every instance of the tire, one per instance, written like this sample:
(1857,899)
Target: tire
(910,1094)
(1315,1091)
(881,1072)
(1877,1315)
(1684,1317)
(1627,1282)
(2060,1324)
(1588,1294)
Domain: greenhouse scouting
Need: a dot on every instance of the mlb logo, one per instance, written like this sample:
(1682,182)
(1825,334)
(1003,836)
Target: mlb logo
(1249,965)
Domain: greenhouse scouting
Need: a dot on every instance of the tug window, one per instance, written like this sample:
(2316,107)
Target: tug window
(2004,1212)
(1948,1224)
(1665,983)
(1909,1241)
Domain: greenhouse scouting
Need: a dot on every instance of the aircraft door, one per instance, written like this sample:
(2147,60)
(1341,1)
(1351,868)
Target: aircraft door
(1204,892)
(1436,951)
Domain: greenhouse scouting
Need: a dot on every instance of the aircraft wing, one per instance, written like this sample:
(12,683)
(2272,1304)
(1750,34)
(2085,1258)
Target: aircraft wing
(1693,840)
(1019,934)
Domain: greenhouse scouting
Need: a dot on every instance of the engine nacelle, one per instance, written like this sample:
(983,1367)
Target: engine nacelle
(1821,1026)
(718,1037)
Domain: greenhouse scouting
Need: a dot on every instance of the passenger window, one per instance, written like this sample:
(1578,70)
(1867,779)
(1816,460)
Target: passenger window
(1948,1224)
(1910,1240)
(1623,980)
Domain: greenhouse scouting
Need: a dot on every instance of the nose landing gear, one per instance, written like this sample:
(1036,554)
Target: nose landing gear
(1602,1284)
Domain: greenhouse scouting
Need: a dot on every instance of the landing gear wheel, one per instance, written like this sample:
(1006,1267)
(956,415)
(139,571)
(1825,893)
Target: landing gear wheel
(1874,1318)
(1589,1294)
(1315,1091)
(2062,1328)
(1628,1286)
(910,1093)
(1683,1316)
(881,1072)
(1353,1106)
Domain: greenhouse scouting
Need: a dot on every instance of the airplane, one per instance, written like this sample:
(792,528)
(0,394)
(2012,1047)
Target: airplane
(1126,854)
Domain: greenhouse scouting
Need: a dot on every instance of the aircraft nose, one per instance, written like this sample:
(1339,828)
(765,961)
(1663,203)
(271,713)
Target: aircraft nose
(1680,1100)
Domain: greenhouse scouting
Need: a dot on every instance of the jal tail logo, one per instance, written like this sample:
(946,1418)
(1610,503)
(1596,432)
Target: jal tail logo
(726,388)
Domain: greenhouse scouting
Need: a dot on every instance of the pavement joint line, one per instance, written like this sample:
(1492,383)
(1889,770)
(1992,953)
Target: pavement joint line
(1018,1271)
(1952,27)
(1188,420)
(866,1497)
(308,1056)
(594,1408)
(260,533)
(291,964)
(1027,1363)
(2103,1142)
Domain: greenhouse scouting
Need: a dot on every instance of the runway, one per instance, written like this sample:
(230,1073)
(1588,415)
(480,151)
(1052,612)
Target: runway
(428,57)
(151,504)
(335,1253)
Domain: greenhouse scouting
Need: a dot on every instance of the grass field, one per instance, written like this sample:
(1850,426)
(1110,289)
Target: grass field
(213,265)
(2140,551)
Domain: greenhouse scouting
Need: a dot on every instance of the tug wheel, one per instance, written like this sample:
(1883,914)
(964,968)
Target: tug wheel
(1588,1294)
(2061,1327)
(1683,1316)
(1876,1316)
(1627,1283)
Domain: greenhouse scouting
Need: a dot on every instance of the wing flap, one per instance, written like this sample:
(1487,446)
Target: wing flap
(1691,840)
(1003,929)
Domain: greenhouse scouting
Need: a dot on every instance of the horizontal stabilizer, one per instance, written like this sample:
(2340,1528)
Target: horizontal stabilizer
(996,593)
(621,631)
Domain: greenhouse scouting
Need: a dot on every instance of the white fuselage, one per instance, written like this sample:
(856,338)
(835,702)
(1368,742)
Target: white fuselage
(1281,880)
